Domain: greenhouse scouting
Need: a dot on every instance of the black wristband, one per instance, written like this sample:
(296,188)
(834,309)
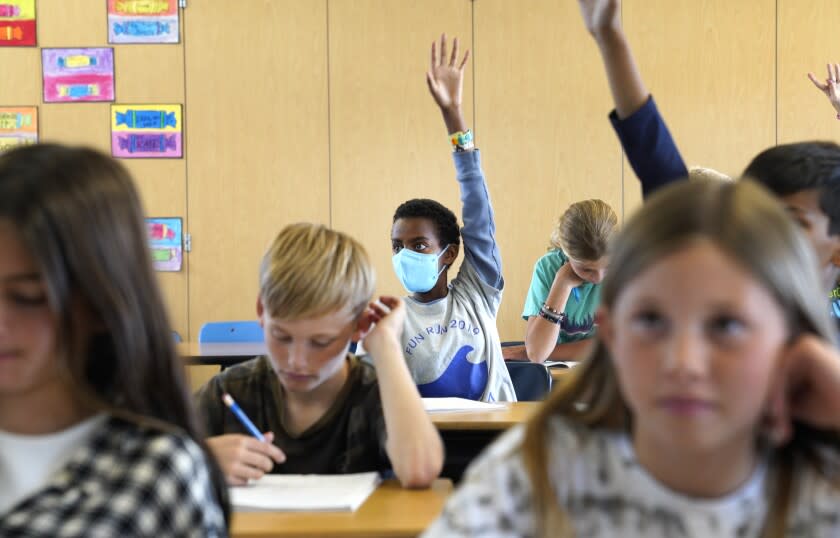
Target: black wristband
(556,319)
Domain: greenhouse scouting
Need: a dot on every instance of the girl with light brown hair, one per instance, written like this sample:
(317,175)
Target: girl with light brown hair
(710,405)
(565,287)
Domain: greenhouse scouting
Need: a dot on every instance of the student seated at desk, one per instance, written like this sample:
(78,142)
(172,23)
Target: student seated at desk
(323,410)
(97,432)
(710,405)
(451,341)
(565,288)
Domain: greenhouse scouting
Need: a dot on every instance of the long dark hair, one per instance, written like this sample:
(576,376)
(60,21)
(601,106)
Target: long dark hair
(750,226)
(79,215)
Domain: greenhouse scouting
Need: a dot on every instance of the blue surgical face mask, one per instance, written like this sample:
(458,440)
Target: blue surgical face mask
(417,272)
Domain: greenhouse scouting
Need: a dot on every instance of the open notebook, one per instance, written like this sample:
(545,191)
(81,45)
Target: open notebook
(305,493)
(442,405)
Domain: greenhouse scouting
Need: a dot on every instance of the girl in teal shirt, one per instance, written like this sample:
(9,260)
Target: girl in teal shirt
(565,288)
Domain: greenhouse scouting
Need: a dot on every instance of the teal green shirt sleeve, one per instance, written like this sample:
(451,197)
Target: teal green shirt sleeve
(580,313)
(544,271)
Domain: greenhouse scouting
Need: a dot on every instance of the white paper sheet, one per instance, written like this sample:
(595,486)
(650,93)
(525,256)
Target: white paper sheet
(442,405)
(561,364)
(305,493)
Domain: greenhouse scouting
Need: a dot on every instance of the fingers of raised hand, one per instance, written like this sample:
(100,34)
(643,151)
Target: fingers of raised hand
(454,55)
(817,83)
(464,61)
(430,80)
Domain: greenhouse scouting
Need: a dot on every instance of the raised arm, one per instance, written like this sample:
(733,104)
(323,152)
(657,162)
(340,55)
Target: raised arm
(603,20)
(446,79)
(413,446)
(831,87)
(644,136)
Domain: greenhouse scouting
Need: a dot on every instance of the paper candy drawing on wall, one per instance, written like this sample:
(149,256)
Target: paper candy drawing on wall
(138,143)
(164,236)
(18,126)
(74,61)
(146,119)
(143,21)
(141,7)
(17,23)
(146,131)
(78,75)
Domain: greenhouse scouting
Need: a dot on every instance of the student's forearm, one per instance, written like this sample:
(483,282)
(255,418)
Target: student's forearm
(626,84)
(479,231)
(454,119)
(414,445)
(541,335)
(540,338)
(578,350)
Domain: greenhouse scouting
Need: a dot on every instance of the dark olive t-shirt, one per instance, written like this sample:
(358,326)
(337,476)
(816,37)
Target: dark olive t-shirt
(349,438)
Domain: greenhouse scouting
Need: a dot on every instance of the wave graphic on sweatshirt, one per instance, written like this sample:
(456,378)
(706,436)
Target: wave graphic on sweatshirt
(462,378)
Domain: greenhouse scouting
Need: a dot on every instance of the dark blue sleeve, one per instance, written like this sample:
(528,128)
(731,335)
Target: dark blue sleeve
(479,231)
(649,147)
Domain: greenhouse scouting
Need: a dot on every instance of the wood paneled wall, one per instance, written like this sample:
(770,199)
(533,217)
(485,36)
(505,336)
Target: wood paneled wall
(318,110)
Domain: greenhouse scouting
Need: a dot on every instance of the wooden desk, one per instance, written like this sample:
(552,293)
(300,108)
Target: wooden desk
(389,512)
(226,354)
(494,421)
(558,373)
(466,434)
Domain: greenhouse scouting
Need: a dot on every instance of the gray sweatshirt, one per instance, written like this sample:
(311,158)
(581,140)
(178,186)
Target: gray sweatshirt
(452,345)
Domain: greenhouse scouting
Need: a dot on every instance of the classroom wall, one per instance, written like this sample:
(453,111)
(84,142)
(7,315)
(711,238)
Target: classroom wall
(318,110)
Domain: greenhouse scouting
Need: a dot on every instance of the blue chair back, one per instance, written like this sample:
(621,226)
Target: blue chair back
(531,381)
(230,331)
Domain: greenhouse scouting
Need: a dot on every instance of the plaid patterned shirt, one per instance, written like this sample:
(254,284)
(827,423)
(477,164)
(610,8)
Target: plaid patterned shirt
(129,480)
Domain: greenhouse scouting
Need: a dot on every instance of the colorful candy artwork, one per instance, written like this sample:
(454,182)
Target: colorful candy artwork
(143,21)
(17,23)
(18,126)
(165,240)
(78,75)
(146,131)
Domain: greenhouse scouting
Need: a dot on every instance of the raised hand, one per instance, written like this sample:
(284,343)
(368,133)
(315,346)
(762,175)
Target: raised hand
(600,16)
(445,78)
(831,87)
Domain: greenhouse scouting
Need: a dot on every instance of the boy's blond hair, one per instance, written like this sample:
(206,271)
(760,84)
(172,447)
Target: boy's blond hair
(310,270)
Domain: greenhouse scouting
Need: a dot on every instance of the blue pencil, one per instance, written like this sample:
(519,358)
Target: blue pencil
(243,418)
(576,293)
